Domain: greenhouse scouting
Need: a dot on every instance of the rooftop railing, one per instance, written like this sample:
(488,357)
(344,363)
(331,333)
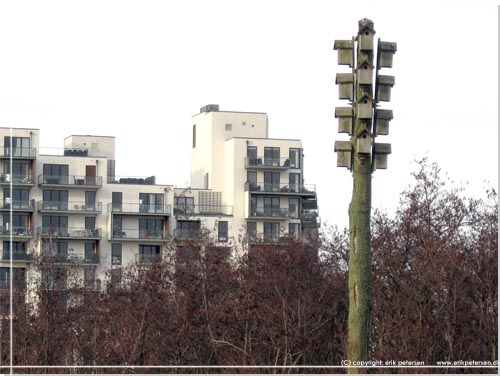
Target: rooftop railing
(269,163)
(70,180)
(269,212)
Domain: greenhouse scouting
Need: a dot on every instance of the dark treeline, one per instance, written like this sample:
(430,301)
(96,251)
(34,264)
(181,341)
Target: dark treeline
(434,298)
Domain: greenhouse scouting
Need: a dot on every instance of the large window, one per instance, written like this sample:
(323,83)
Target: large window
(294,208)
(252,181)
(271,206)
(21,172)
(151,203)
(252,159)
(149,253)
(272,156)
(294,182)
(116,201)
(222,231)
(55,200)
(20,146)
(271,231)
(55,174)
(271,181)
(55,224)
(90,251)
(252,231)
(116,254)
(187,229)
(20,224)
(184,205)
(18,250)
(294,230)
(20,198)
(294,158)
(151,228)
(90,197)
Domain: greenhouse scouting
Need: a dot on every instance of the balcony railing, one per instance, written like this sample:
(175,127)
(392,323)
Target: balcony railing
(286,188)
(16,179)
(7,204)
(69,206)
(189,234)
(268,163)
(147,258)
(135,208)
(17,255)
(17,153)
(71,180)
(269,213)
(310,219)
(136,234)
(72,259)
(150,180)
(201,210)
(70,232)
(16,231)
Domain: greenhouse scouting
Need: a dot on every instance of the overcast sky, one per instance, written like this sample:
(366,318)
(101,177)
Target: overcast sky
(139,70)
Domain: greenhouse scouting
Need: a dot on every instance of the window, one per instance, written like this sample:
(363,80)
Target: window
(252,231)
(117,227)
(271,231)
(19,278)
(294,208)
(150,228)
(55,174)
(271,206)
(89,278)
(229,127)
(271,181)
(294,182)
(20,198)
(253,206)
(19,224)
(90,251)
(252,181)
(18,250)
(116,201)
(149,253)
(222,230)
(294,230)
(187,229)
(151,203)
(184,205)
(20,146)
(252,151)
(294,158)
(21,172)
(272,156)
(90,197)
(194,136)
(55,200)
(252,159)
(55,224)
(116,254)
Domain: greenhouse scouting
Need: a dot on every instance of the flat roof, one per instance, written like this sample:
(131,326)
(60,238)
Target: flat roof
(265,138)
(234,112)
(26,129)
(88,135)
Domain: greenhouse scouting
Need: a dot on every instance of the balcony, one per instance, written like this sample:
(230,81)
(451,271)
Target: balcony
(189,234)
(310,219)
(70,181)
(305,190)
(263,163)
(72,259)
(17,153)
(203,210)
(140,209)
(268,213)
(70,233)
(17,206)
(18,180)
(18,233)
(76,207)
(17,256)
(150,236)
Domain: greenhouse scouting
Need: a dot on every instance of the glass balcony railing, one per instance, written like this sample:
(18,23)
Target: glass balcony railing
(70,180)
(69,232)
(147,258)
(180,233)
(17,255)
(69,206)
(135,208)
(16,179)
(201,210)
(73,259)
(268,187)
(269,163)
(15,152)
(16,231)
(269,213)
(136,234)
(7,204)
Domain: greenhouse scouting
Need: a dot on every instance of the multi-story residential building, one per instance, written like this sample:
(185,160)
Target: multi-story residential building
(67,206)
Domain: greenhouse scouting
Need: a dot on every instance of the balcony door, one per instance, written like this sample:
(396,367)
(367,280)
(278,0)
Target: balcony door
(90,175)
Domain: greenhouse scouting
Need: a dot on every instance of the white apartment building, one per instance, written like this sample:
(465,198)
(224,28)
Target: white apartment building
(68,206)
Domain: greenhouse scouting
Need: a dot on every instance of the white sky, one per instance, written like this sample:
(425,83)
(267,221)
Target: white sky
(139,70)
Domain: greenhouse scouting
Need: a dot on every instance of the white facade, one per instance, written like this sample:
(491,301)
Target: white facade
(68,204)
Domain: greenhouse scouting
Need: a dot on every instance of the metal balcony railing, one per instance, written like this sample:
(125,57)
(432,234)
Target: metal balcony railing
(136,208)
(7,204)
(16,179)
(267,187)
(70,180)
(70,206)
(201,210)
(17,255)
(269,163)
(269,212)
(69,232)
(136,234)
(5,152)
